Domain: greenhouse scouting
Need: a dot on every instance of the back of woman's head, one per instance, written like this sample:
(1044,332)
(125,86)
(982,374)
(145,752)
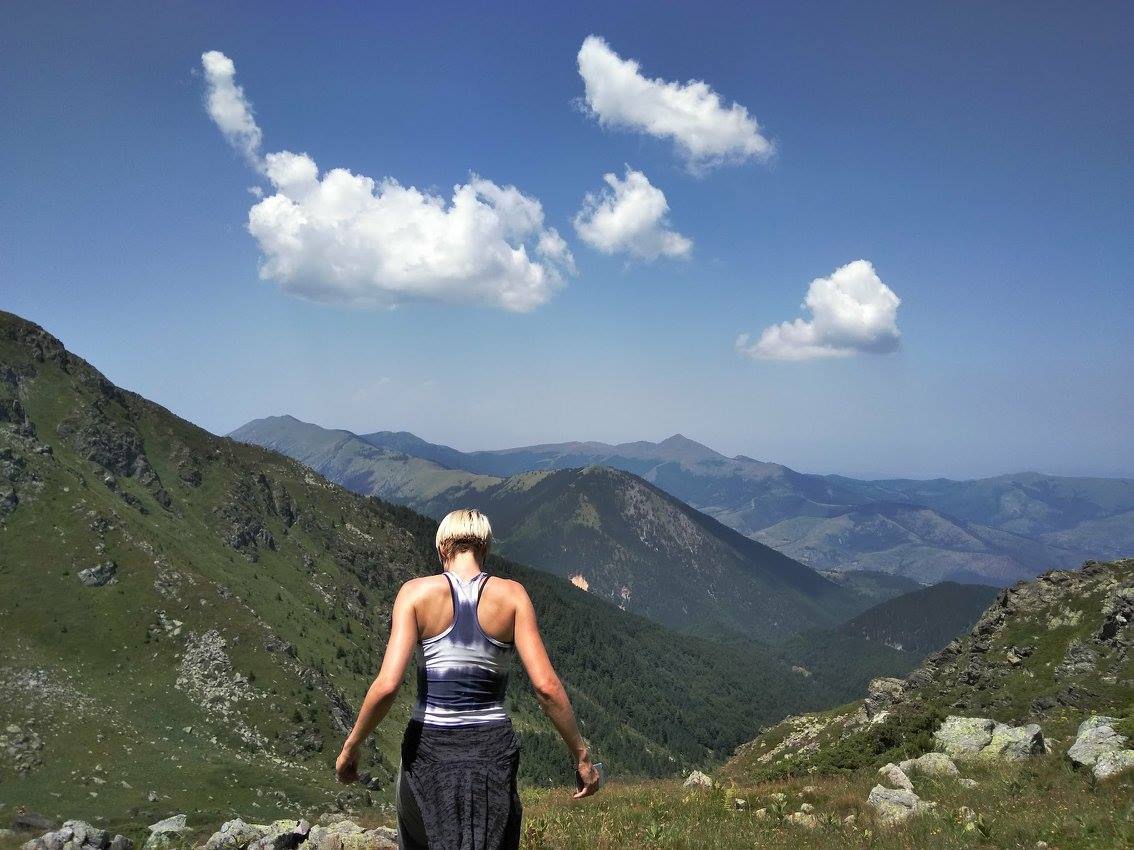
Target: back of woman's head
(465,530)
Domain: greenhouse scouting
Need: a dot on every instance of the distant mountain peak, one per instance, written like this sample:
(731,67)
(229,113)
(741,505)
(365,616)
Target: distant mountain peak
(681,445)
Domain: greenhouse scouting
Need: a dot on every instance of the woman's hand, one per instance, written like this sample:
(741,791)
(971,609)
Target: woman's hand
(588,775)
(346,766)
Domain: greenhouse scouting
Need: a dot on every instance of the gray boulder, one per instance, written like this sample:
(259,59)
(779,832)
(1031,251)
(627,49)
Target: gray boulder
(1112,764)
(171,832)
(100,574)
(697,779)
(234,835)
(896,805)
(895,776)
(979,737)
(882,693)
(78,835)
(962,737)
(347,835)
(930,764)
(1101,748)
(1014,743)
(282,835)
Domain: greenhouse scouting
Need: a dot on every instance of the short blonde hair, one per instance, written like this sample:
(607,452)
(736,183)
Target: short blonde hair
(466,530)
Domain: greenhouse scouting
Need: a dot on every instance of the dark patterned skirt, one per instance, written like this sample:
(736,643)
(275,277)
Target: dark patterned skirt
(457,788)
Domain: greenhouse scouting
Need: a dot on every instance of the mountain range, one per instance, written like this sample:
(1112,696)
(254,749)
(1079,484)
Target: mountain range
(987,531)
(609,531)
(188,621)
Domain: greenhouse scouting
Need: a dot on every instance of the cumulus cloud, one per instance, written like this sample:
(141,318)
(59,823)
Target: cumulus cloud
(630,216)
(852,312)
(344,238)
(228,107)
(705,131)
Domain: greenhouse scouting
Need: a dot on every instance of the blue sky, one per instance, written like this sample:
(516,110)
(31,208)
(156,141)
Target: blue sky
(977,155)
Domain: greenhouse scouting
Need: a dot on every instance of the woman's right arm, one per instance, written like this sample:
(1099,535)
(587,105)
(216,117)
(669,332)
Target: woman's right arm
(384,689)
(550,692)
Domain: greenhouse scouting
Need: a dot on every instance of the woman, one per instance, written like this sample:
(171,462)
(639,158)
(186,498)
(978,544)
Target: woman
(457,783)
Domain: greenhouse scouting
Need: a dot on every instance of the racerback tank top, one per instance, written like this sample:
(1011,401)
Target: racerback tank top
(462,673)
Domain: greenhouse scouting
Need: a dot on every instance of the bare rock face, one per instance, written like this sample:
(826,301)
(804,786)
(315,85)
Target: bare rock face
(1102,749)
(882,693)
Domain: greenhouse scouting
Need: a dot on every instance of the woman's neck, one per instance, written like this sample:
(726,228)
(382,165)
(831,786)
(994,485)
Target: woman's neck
(463,565)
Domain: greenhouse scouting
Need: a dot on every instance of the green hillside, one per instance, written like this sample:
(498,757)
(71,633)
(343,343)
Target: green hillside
(1053,651)
(190,616)
(889,639)
(924,620)
(627,541)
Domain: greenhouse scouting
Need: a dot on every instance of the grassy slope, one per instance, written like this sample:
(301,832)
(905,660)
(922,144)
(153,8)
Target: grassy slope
(297,576)
(1018,806)
(1009,668)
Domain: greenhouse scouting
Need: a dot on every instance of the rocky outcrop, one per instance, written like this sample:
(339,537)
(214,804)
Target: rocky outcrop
(882,693)
(206,676)
(979,737)
(1101,748)
(79,835)
(113,445)
(22,748)
(99,575)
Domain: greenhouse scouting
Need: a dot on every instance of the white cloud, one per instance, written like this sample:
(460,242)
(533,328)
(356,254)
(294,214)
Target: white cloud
(228,107)
(852,312)
(345,238)
(630,216)
(705,131)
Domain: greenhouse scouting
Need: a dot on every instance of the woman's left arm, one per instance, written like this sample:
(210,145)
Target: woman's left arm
(403,638)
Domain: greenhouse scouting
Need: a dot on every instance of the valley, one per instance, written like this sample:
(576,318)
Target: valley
(985,531)
(189,622)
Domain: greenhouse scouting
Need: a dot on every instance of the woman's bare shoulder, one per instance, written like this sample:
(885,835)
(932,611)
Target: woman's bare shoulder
(421,586)
(509,588)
